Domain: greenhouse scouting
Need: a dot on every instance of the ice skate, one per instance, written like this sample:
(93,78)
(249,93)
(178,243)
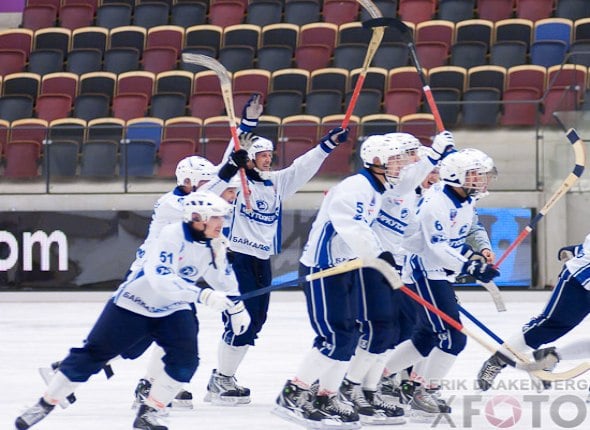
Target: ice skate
(47,373)
(294,404)
(148,418)
(353,394)
(338,414)
(404,393)
(423,406)
(142,391)
(393,413)
(33,415)
(388,385)
(549,356)
(224,390)
(183,400)
(489,371)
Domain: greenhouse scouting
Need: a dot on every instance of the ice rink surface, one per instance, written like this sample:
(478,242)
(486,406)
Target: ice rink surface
(33,334)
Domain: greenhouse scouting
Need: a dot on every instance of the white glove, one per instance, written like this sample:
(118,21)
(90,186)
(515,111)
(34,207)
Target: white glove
(219,246)
(442,144)
(215,299)
(239,318)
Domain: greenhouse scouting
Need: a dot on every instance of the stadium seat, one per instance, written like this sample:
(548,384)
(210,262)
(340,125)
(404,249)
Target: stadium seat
(526,76)
(474,30)
(572,9)
(368,102)
(448,104)
(188,14)
(281,34)
(98,83)
(136,82)
(71,129)
(167,105)
(515,109)
(402,101)
(98,159)
(319,33)
(487,76)
(264,12)
(558,99)
(448,77)
(159,59)
(28,129)
(340,11)
(121,60)
(236,58)
(91,106)
(301,12)
(109,128)
(468,54)
(508,53)
(17,39)
(175,81)
(323,102)
(53,106)
(349,56)
(253,81)
(242,35)
(274,57)
(206,104)
(404,77)
(90,38)
(206,80)
(548,53)
(312,57)
(170,153)
(130,105)
(301,126)
(165,36)
(53,38)
(21,83)
(436,31)
(416,11)
(60,83)
(391,55)
(45,61)
(148,128)
(377,124)
(39,16)
(73,16)
(184,128)
(150,14)
(284,103)
(421,125)
(375,78)
(339,162)
(16,107)
(113,15)
(84,60)
(432,54)
(481,106)
(226,12)
(22,159)
(553,29)
(290,80)
(216,134)
(137,158)
(330,78)
(495,10)
(204,36)
(534,9)
(456,10)
(514,29)
(61,159)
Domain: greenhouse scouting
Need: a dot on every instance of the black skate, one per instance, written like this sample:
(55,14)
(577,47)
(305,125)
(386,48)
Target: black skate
(294,404)
(341,414)
(47,373)
(33,415)
(404,393)
(224,390)
(353,394)
(148,418)
(393,413)
(388,385)
(142,392)
(550,356)
(183,400)
(489,371)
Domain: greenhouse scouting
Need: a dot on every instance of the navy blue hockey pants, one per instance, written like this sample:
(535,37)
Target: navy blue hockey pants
(117,330)
(252,274)
(332,306)
(567,307)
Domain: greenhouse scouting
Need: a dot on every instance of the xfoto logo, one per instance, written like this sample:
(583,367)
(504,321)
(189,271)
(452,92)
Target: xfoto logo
(503,411)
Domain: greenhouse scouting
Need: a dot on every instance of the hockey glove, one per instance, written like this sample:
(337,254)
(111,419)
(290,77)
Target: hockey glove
(251,112)
(480,271)
(239,318)
(236,160)
(442,145)
(215,299)
(567,252)
(470,254)
(387,256)
(239,158)
(335,137)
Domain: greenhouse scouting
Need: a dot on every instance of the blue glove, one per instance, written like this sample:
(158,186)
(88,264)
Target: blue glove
(251,112)
(567,252)
(480,271)
(335,137)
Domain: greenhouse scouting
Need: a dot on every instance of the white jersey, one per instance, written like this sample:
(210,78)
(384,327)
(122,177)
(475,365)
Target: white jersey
(579,266)
(257,232)
(166,283)
(443,223)
(168,209)
(342,228)
(399,206)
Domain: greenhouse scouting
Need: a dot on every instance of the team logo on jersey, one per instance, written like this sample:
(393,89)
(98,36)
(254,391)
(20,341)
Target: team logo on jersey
(404,213)
(453,214)
(188,271)
(261,205)
(163,270)
(463,229)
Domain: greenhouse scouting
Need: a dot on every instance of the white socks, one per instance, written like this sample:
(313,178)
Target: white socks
(229,357)
(360,364)
(314,365)
(437,366)
(575,351)
(58,388)
(373,376)
(163,390)
(155,365)
(404,355)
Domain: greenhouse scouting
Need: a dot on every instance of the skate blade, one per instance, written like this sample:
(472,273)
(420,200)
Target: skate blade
(226,400)
(421,416)
(292,417)
(46,374)
(179,404)
(328,424)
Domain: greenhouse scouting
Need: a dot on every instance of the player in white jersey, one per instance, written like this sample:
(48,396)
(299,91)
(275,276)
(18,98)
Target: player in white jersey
(379,312)
(156,302)
(477,246)
(444,216)
(341,232)
(255,235)
(567,307)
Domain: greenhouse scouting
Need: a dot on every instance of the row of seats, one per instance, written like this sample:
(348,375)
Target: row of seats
(285,92)
(78,13)
(290,35)
(149,146)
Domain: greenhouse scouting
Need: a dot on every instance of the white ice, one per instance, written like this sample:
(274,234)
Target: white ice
(33,334)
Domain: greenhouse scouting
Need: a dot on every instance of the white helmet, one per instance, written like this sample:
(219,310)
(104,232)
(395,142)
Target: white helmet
(488,165)
(259,144)
(389,152)
(461,169)
(206,205)
(196,169)
(408,141)
(235,181)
